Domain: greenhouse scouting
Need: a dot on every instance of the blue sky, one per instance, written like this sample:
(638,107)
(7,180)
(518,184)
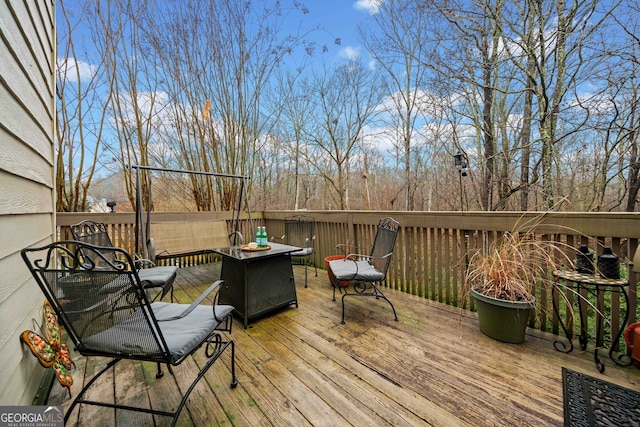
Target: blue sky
(340,19)
(337,18)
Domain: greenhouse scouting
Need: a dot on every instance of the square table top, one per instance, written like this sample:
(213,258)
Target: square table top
(238,253)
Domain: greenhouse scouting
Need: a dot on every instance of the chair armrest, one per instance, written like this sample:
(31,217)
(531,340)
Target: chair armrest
(215,285)
(281,239)
(143,262)
(354,256)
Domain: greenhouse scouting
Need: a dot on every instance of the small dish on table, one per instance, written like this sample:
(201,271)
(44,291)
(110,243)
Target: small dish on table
(253,247)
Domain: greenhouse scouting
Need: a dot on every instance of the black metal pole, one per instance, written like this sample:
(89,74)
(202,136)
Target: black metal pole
(138,212)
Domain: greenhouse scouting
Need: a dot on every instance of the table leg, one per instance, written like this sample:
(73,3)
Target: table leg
(585,287)
(560,345)
(584,318)
(599,321)
(623,359)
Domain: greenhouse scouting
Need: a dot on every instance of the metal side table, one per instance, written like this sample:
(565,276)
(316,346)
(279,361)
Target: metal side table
(595,285)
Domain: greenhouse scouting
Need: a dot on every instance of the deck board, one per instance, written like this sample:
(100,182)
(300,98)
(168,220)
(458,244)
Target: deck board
(300,366)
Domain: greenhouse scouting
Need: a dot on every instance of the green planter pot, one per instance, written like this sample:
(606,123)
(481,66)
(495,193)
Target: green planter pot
(502,320)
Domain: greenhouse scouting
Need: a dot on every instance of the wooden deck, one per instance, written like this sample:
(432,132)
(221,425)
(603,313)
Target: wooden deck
(300,367)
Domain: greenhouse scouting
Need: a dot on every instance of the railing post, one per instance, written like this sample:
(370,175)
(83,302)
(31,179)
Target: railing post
(351,231)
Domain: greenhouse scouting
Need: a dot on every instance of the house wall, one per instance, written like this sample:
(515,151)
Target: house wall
(27,200)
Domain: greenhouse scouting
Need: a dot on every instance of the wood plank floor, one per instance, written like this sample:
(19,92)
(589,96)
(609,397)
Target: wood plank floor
(301,367)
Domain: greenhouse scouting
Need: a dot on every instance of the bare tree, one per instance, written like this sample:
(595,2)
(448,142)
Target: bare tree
(292,102)
(470,53)
(398,43)
(83,93)
(185,95)
(554,38)
(345,101)
(628,127)
(505,81)
(136,100)
(223,55)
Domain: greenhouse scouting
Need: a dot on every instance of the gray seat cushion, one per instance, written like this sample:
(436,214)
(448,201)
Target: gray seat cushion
(157,276)
(303,252)
(344,269)
(133,335)
(182,335)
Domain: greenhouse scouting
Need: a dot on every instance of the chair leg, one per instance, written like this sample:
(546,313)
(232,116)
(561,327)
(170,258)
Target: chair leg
(159,374)
(312,261)
(305,274)
(175,414)
(379,295)
(212,358)
(79,398)
(374,293)
(169,290)
(234,379)
(342,321)
(334,285)
(334,289)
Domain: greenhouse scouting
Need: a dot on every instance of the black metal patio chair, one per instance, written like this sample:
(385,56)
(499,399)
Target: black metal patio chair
(101,302)
(299,231)
(95,233)
(365,272)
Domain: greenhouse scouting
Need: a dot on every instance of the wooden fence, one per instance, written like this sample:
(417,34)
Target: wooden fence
(432,247)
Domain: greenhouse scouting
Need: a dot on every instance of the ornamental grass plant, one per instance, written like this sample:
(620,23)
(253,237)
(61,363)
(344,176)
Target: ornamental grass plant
(518,262)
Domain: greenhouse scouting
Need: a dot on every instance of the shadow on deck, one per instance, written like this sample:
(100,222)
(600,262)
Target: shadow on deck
(300,366)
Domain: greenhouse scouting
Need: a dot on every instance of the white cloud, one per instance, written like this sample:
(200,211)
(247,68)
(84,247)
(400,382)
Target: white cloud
(153,105)
(597,102)
(72,70)
(350,52)
(372,6)
(380,138)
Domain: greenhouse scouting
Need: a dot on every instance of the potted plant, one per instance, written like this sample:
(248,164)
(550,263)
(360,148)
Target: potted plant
(503,278)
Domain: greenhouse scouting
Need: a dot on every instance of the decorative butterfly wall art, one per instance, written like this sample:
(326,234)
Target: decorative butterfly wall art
(48,349)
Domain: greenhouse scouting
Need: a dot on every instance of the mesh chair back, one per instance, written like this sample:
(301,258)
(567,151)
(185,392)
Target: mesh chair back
(99,302)
(299,231)
(94,233)
(384,243)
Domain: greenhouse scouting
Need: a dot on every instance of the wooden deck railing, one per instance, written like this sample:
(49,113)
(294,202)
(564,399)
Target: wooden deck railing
(432,247)
(122,229)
